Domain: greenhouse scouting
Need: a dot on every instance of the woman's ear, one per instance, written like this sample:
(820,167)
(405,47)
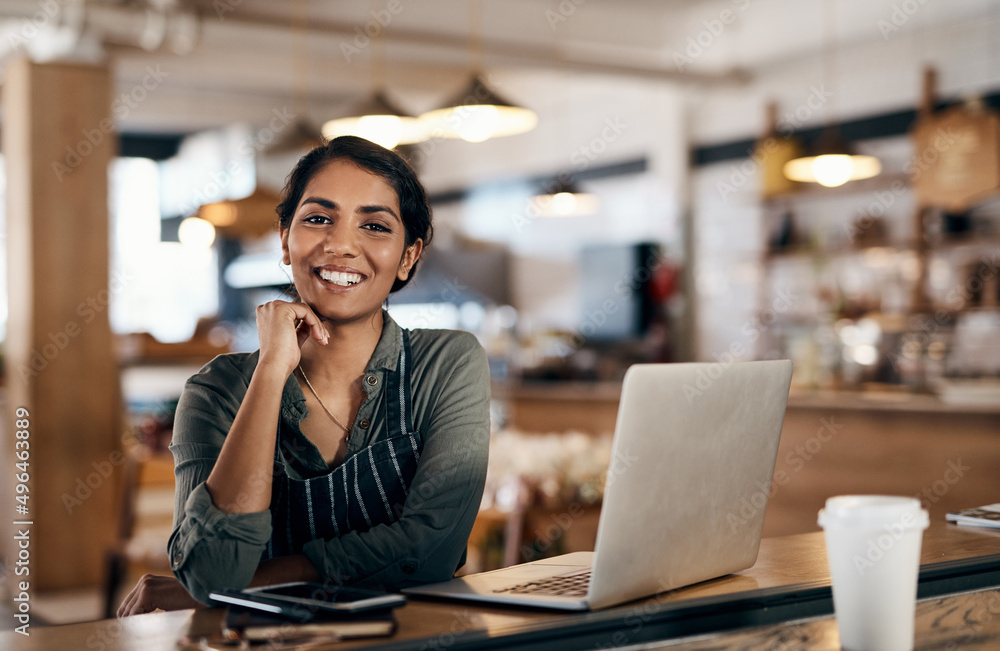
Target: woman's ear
(285,257)
(410,257)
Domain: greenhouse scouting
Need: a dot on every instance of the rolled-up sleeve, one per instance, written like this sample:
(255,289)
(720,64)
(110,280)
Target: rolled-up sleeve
(210,549)
(429,540)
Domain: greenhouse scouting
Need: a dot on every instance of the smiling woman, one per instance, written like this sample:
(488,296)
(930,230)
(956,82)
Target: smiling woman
(346,449)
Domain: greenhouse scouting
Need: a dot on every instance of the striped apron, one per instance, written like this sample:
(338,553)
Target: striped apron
(367,489)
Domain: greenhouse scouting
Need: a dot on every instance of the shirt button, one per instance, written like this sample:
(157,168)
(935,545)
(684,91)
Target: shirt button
(178,558)
(409,568)
(371,380)
(364,423)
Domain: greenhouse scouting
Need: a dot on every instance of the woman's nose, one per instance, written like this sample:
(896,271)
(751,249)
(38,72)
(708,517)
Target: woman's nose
(341,239)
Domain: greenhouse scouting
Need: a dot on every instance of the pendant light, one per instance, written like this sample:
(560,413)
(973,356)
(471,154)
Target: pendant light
(478,113)
(831,163)
(564,199)
(378,119)
(562,196)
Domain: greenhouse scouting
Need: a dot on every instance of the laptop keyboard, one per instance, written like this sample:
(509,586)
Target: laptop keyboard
(566,585)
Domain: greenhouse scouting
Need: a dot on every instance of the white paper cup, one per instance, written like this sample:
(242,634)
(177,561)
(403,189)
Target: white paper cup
(873,547)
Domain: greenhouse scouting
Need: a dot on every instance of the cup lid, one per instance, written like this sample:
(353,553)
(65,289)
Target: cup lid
(873,510)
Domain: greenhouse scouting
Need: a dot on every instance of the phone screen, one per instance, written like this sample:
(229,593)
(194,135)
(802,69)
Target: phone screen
(329,597)
(319,592)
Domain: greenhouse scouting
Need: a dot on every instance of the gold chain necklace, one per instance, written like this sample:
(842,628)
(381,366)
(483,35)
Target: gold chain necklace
(347,430)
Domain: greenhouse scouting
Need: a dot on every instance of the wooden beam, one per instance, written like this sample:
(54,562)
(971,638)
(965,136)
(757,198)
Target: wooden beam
(58,140)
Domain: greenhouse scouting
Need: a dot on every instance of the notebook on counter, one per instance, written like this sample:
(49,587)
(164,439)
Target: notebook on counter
(983,516)
(256,626)
(693,444)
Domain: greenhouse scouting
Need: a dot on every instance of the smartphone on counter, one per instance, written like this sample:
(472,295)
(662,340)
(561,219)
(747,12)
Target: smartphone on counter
(302,601)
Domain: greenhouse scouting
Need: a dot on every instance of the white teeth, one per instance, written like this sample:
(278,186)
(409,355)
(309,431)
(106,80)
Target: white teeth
(341,278)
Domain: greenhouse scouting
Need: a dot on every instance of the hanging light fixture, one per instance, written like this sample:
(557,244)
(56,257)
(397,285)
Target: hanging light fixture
(831,163)
(564,199)
(380,121)
(478,112)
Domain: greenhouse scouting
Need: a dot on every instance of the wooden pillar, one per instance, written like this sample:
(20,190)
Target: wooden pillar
(58,140)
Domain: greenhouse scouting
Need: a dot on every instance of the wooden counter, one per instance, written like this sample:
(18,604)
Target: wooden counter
(970,621)
(789,582)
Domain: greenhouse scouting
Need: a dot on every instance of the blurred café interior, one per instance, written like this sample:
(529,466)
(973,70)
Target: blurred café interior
(626,181)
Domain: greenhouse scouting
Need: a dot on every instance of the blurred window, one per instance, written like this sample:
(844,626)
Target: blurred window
(158,287)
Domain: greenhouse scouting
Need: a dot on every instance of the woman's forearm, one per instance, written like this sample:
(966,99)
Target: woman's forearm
(240,481)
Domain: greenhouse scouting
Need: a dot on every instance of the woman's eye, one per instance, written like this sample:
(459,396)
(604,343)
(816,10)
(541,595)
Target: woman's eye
(375,226)
(316,219)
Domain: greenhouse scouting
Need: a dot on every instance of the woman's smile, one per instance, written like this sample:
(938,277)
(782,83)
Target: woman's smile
(341,277)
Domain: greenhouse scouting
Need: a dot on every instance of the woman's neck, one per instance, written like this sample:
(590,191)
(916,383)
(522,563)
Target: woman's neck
(346,356)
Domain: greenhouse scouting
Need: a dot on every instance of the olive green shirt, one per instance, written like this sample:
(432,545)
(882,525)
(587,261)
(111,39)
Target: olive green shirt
(211,550)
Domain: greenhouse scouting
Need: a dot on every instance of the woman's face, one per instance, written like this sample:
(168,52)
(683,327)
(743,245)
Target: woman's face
(346,243)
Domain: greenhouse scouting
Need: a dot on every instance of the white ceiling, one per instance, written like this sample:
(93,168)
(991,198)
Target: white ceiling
(253,56)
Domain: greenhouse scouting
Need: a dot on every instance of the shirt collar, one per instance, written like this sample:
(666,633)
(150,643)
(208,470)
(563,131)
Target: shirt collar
(386,354)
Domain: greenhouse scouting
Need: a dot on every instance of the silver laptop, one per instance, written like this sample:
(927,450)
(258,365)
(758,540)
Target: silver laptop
(694,444)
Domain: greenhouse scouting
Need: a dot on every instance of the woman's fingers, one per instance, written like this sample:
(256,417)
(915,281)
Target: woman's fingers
(130,606)
(156,592)
(298,313)
(283,327)
(316,327)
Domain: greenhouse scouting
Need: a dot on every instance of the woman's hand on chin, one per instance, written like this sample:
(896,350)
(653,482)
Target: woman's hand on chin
(157,593)
(283,327)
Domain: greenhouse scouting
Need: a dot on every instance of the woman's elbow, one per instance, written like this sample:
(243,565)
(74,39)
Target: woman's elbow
(207,569)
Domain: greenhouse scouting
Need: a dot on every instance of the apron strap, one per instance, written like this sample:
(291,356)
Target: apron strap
(399,408)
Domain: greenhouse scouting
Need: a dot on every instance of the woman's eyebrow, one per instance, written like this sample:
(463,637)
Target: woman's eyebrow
(369,210)
(326,203)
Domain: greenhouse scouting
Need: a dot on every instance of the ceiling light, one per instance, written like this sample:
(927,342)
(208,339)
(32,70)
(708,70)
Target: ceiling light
(832,164)
(380,121)
(564,199)
(477,114)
